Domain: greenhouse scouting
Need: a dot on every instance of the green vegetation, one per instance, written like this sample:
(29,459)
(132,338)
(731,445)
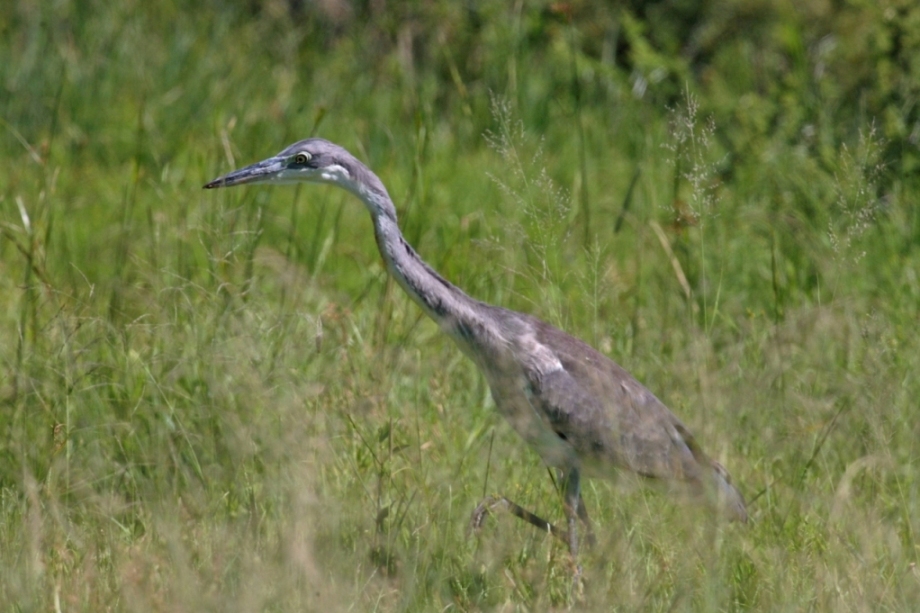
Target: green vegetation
(218,401)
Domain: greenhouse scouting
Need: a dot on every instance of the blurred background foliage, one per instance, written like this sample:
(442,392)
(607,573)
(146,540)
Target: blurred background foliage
(810,72)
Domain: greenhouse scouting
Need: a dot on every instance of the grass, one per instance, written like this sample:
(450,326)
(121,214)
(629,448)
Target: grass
(219,401)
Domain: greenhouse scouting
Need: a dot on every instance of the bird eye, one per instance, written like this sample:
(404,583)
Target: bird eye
(301,158)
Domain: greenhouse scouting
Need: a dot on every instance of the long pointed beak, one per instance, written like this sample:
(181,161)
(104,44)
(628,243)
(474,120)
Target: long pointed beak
(260,172)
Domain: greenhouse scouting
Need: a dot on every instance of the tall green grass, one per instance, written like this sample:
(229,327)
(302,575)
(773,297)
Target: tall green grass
(219,401)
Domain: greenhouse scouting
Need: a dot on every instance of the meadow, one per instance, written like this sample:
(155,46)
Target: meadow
(219,401)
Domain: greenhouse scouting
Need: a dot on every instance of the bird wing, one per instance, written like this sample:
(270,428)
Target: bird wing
(608,417)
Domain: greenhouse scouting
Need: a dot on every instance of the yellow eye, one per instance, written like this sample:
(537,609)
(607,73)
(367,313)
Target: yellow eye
(301,158)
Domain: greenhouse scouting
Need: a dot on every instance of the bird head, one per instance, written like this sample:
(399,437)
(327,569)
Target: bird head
(316,161)
(308,161)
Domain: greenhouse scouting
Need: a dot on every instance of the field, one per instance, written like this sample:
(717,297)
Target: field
(219,401)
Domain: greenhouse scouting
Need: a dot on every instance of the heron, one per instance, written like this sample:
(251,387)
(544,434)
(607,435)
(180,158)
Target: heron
(582,412)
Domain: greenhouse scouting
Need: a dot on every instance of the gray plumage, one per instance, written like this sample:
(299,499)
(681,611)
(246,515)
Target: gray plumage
(580,410)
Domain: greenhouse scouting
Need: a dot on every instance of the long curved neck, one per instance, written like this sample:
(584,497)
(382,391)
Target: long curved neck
(455,312)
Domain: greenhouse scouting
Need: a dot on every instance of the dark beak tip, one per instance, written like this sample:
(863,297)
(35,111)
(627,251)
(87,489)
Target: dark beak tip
(213,184)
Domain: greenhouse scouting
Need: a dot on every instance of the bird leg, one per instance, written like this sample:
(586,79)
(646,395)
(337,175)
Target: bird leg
(493,503)
(590,539)
(573,504)
(571,499)
(574,508)
(580,508)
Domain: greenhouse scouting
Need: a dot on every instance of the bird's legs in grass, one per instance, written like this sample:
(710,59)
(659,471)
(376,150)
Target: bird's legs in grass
(573,503)
(575,509)
(491,504)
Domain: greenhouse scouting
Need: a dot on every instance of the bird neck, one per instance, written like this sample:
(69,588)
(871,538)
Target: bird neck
(455,312)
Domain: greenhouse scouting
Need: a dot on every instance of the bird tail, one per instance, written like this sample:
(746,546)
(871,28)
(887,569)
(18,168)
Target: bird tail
(729,498)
